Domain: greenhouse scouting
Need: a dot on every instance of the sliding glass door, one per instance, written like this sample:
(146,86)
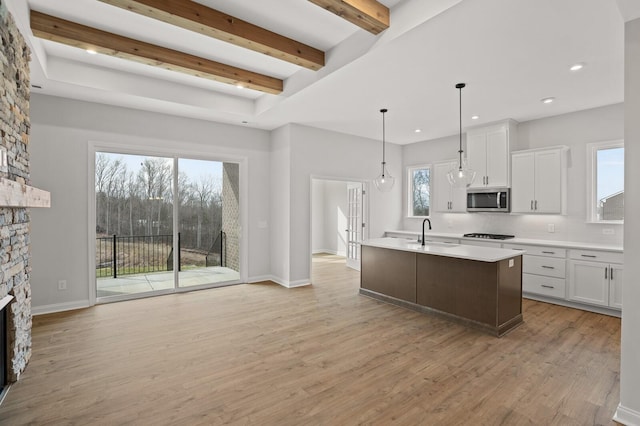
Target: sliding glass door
(163,224)
(208,213)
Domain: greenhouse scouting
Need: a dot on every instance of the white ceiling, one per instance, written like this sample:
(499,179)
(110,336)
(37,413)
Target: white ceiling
(511,54)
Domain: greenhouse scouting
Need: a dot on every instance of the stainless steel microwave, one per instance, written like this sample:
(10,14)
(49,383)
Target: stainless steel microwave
(489,200)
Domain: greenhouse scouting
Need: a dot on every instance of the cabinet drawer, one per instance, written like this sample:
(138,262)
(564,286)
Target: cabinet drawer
(545,286)
(538,250)
(597,256)
(547,266)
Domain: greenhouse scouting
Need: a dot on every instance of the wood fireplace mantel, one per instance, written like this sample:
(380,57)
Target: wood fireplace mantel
(14,194)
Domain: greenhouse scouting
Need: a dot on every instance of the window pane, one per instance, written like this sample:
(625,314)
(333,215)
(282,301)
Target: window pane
(420,191)
(610,183)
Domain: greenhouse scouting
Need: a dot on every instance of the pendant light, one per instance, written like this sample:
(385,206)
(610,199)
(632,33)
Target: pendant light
(461,176)
(384,182)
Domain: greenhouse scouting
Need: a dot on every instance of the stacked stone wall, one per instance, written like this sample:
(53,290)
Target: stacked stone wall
(231,212)
(14,222)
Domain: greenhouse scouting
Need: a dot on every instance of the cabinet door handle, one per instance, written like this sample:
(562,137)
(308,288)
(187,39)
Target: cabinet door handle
(611,273)
(535,204)
(589,255)
(546,286)
(548,267)
(606,270)
(549,252)
(531,205)
(487,180)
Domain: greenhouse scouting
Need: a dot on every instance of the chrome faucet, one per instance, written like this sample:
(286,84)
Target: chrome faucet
(426,220)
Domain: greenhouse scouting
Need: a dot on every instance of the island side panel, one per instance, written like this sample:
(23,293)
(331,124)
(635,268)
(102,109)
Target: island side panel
(509,290)
(465,288)
(389,272)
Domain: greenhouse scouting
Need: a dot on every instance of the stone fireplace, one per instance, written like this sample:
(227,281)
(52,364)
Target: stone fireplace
(16,196)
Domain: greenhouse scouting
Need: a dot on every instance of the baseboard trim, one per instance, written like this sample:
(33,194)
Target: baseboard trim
(569,304)
(627,416)
(284,283)
(323,251)
(59,307)
(260,278)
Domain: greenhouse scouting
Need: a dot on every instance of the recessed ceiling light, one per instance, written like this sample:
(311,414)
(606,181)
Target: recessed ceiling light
(577,67)
(475,117)
(547,100)
(91,52)
(418,130)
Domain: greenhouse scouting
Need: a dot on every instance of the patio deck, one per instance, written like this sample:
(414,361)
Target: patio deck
(143,283)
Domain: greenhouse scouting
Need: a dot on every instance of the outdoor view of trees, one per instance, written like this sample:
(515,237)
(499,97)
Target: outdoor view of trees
(420,189)
(134,197)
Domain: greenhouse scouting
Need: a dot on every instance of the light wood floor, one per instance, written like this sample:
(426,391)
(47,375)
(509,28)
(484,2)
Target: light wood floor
(262,354)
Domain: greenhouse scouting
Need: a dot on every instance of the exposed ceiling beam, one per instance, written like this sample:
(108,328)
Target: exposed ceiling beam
(367,14)
(210,22)
(72,34)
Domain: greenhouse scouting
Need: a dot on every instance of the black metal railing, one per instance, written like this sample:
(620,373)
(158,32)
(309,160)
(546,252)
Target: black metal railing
(217,255)
(116,256)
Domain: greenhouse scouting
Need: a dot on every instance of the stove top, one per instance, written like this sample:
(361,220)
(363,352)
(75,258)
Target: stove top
(488,236)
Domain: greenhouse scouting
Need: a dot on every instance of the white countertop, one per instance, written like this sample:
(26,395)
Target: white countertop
(461,251)
(533,242)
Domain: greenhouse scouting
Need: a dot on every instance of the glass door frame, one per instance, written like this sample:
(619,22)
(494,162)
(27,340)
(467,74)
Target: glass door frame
(95,147)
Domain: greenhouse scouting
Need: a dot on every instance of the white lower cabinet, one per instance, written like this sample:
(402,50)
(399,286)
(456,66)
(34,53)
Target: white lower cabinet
(543,270)
(595,279)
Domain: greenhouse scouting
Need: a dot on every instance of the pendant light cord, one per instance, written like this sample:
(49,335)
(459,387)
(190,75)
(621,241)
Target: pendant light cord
(383,111)
(459,86)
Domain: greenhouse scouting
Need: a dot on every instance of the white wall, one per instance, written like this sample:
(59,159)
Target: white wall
(317,216)
(320,153)
(329,216)
(280,205)
(59,150)
(629,410)
(574,130)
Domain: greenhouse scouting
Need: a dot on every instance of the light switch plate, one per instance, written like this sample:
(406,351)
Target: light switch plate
(551,228)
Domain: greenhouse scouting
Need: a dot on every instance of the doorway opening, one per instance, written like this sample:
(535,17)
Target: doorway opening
(338,222)
(164,224)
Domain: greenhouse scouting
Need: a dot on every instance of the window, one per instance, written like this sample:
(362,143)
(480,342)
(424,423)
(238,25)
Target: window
(419,196)
(605,181)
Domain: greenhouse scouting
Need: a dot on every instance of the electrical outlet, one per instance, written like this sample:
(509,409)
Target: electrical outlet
(62,285)
(551,228)
(608,231)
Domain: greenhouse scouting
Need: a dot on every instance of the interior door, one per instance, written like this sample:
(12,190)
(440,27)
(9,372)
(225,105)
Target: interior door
(355,223)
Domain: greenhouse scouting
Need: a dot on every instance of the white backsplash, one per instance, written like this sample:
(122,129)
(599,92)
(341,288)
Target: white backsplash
(522,226)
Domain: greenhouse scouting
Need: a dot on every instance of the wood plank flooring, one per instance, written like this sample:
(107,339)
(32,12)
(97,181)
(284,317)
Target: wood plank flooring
(318,355)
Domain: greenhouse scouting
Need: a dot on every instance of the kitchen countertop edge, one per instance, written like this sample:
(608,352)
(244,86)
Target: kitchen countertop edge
(459,251)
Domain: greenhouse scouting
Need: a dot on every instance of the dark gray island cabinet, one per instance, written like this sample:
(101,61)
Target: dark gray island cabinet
(477,286)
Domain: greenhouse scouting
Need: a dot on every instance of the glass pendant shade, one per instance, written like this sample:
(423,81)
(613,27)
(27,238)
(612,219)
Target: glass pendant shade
(384,182)
(461,176)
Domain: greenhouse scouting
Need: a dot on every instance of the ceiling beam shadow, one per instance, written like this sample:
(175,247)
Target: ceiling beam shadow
(210,22)
(70,33)
(367,14)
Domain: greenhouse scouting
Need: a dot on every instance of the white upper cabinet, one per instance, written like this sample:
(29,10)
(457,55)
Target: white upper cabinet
(446,198)
(538,181)
(488,150)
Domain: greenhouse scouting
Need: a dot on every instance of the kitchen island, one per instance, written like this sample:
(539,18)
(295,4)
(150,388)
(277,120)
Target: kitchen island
(477,286)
